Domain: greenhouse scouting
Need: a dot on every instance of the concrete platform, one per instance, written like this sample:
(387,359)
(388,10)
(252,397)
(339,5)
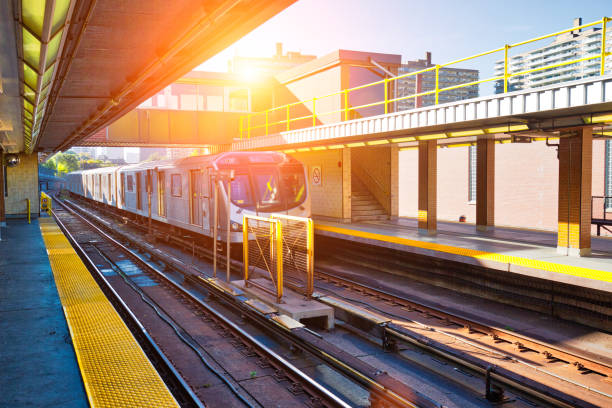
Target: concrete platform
(294,305)
(39,367)
(525,252)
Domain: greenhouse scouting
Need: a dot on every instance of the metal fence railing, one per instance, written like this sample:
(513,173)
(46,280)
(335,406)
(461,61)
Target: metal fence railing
(263,253)
(601,212)
(298,253)
(284,118)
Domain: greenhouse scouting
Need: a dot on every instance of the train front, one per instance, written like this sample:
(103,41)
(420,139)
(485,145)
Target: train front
(264,183)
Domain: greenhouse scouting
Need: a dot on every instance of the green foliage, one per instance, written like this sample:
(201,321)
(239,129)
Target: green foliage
(70,161)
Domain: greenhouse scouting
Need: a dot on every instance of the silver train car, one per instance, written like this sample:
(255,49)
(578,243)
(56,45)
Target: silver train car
(181,192)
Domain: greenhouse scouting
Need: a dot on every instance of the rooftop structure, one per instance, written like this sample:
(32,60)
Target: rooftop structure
(427,82)
(266,66)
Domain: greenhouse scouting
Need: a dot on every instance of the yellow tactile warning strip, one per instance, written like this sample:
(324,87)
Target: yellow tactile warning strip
(115,370)
(474,253)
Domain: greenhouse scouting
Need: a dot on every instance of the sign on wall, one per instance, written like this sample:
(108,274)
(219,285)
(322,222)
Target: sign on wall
(316,175)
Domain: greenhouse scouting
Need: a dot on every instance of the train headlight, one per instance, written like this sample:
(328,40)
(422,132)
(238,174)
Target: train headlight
(236,227)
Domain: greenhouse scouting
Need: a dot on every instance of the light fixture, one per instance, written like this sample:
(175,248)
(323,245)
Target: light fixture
(432,136)
(41,27)
(356,144)
(403,139)
(303,149)
(336,146)
(472,132)
(598,119)
(319,148)
(377,142)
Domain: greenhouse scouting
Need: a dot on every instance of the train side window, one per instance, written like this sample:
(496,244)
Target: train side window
(130,183)
(176,189)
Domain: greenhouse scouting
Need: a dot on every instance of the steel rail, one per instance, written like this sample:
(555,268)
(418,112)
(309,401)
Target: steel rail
(303,338)
(521,341)
(364,378)
(172,378)
(504,376)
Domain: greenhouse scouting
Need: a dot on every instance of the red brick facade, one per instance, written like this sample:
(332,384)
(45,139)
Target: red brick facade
(526,184)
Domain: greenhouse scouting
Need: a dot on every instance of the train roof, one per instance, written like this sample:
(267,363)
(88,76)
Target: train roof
(220,160)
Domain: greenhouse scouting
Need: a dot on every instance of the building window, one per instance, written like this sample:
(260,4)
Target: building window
(176,187)
(608,189)
(472,175)
(130,183)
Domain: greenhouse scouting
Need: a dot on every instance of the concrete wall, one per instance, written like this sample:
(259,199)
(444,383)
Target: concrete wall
(526,184)
(22,183)
(327,199)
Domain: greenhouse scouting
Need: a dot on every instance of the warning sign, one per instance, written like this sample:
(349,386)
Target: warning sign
(316,175)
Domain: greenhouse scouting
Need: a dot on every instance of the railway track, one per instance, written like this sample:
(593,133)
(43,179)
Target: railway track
(501,345)
(192,320)
(383,389)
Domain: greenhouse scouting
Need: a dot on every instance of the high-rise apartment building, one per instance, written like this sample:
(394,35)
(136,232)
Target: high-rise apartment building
(576,44)
(426,81)
(572,45)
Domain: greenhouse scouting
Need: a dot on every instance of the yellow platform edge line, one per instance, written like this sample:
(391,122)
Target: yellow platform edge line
(476,254)
(115,370)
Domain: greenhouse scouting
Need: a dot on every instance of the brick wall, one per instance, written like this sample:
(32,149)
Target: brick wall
(526,184)
(22,183)
(326,198)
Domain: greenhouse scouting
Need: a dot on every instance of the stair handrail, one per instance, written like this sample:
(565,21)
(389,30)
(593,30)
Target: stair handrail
(361,173)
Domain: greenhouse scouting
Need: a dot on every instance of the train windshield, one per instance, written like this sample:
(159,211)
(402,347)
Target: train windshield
(241,191)
(267,188)
(293,185)
(274,189)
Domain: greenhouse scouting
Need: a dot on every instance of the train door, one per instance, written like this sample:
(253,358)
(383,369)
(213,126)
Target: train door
(121,189)
(161,194)
(195,188)
(99,187)
(109,199)
(138,191)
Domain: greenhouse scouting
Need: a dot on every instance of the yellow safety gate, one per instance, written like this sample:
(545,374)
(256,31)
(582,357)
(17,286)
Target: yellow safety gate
(298,252)
(263,253)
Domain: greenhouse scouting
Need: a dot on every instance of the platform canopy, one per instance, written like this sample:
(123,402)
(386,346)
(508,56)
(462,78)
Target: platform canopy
(68,67)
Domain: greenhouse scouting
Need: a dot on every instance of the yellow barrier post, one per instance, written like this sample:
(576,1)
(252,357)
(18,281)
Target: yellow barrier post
(279,259)
(310,246)
(28,205)
(314,117)
(245,249)
(603,45)
(506,48)
(346,108)
(437,82)
(386,84)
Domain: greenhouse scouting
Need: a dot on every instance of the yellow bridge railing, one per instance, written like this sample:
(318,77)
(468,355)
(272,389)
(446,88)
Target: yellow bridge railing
(262,120)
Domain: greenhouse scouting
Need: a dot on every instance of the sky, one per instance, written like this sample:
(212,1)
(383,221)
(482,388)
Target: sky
(450,29)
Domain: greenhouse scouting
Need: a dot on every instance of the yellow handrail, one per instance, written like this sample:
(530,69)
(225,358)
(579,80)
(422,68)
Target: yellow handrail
(28,205)
(345,93)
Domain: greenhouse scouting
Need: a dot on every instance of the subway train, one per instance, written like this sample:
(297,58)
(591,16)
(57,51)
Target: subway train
(181,192)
